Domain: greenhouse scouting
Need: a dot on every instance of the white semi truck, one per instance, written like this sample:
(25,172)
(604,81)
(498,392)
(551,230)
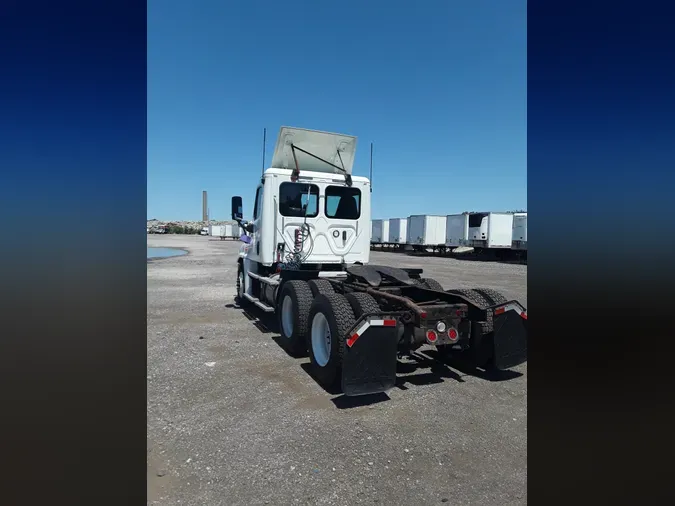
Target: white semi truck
(306,258)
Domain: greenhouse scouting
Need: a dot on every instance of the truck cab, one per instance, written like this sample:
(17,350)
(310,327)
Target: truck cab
(309,214)
(331,217)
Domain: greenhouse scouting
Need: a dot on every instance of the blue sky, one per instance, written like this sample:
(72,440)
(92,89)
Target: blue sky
(439,87)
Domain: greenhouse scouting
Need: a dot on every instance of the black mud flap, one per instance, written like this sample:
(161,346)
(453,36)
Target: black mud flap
(369,361)
(510,335)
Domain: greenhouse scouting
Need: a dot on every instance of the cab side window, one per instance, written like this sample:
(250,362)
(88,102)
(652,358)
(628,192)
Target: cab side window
(258,203)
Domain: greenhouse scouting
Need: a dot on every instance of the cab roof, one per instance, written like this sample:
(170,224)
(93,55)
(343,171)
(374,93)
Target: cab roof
(305,175)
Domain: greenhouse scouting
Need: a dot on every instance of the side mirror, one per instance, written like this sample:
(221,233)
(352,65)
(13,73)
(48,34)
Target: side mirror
(237,209)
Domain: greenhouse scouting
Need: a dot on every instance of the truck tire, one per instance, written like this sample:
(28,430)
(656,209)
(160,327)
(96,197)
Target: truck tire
(362,303)
(320,286)
(471,295)
(476,298)
(479,300)
(330,319)
(432,284)
(493,296)
(239,297)
(295,301)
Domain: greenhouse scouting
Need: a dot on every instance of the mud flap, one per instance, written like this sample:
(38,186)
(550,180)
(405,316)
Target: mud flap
(510,335)
(369,361)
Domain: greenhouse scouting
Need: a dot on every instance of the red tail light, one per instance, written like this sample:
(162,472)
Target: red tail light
(432,336)
(453,335)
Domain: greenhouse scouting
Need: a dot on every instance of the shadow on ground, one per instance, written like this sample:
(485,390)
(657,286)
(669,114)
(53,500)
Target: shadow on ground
(421,368)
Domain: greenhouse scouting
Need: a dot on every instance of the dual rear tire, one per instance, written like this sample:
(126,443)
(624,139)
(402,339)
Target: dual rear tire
(480,353)
(295,301)
(332,316)
(314,318)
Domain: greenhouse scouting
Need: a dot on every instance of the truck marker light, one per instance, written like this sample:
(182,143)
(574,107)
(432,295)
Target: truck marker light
(453,335)
(423,314)
(431,336)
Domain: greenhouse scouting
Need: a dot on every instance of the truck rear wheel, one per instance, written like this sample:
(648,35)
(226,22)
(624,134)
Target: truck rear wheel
(331,318)
(493,296)
(294,304)
(476,355)
(320,286)
(362,303)
(432,284)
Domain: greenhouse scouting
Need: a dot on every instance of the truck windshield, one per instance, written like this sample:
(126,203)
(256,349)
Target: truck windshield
(343,203)
(293,199)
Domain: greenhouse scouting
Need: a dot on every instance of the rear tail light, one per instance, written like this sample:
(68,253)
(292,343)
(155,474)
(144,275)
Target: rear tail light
(453,334)
(432,336)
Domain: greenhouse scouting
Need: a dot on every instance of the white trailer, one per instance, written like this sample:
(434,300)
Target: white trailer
(398,230)
(426,230)
(380,232)
(456,229)
(216,230)
(490,230)
(519,238)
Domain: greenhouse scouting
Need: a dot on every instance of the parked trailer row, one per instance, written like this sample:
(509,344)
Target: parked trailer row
(227,231)
(488,230)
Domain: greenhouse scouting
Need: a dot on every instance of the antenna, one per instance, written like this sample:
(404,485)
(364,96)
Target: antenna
(371,167)
(264,142)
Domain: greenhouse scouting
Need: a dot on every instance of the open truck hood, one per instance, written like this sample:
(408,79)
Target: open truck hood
(330,152)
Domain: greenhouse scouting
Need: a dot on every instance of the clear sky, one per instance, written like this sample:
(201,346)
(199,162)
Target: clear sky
(439,87)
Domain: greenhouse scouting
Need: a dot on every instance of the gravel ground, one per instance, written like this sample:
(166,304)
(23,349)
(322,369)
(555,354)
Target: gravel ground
(233,420)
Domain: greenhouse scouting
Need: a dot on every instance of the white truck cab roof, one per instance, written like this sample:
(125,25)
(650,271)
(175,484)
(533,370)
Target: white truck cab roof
(319,177)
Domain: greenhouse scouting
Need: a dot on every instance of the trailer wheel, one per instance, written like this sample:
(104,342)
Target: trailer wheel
(331,318)
(432,284)
(294,304)
(320,286)
(362,303)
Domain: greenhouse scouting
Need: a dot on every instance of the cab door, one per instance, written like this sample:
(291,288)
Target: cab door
(256,246)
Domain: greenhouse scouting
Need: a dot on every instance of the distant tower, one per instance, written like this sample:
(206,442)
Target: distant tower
(205,211)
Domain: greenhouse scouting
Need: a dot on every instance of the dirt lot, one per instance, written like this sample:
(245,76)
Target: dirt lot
(233,420)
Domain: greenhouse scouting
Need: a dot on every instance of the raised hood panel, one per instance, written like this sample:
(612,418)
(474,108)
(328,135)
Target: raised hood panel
(324,145)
